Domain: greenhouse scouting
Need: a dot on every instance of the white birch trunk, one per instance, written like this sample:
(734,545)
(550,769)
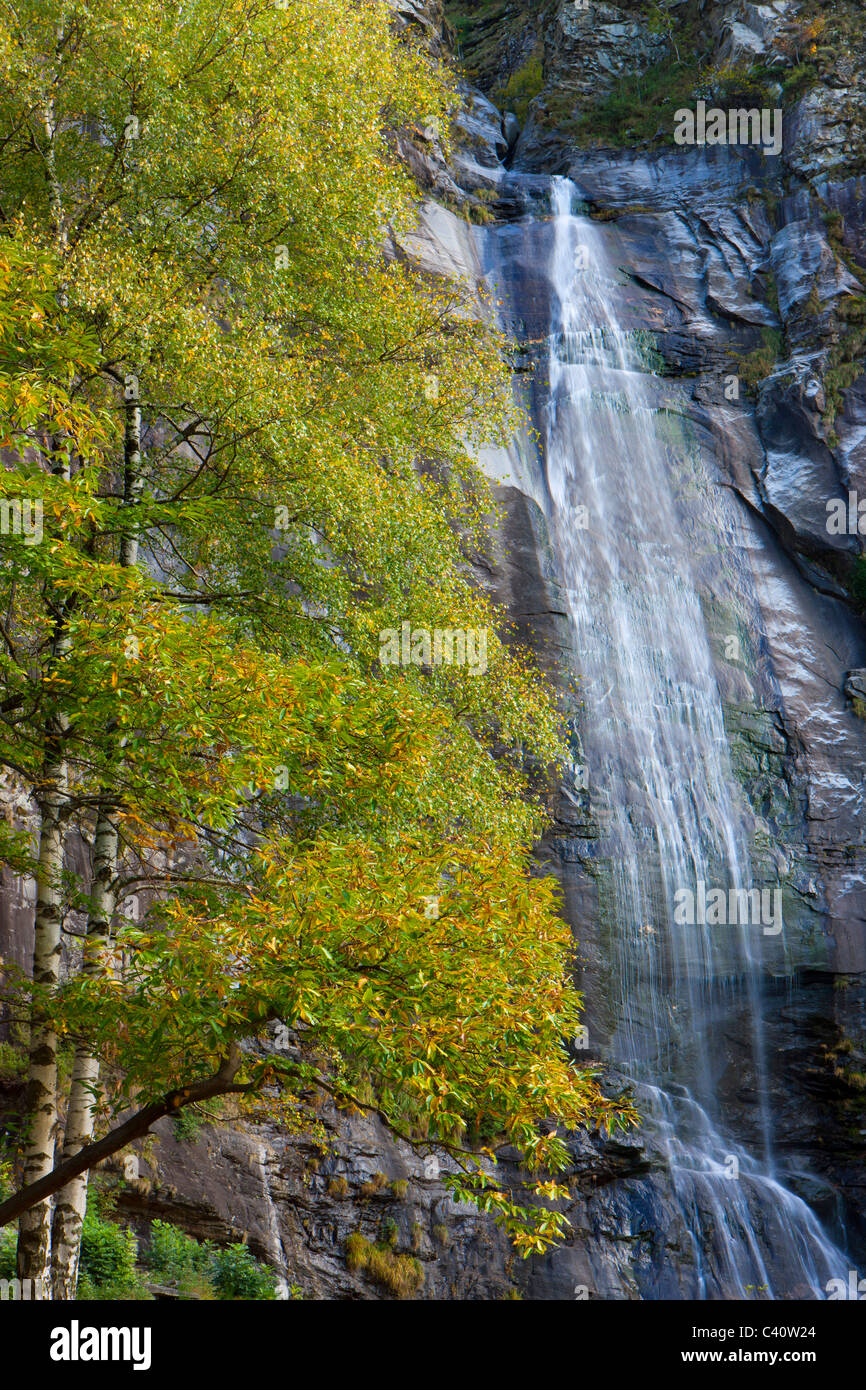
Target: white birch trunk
(71,1201)
(34,1227)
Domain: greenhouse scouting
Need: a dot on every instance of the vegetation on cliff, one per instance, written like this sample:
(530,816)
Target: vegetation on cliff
(542,60)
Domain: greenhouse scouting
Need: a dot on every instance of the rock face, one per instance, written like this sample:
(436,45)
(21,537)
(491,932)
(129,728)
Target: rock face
(296,1203)
(590,46)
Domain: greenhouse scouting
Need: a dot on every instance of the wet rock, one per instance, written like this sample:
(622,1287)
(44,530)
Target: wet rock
(295,1203)
(590,46)
(746,32)
(805,265)
(822,130)
(510,129)
(855,689)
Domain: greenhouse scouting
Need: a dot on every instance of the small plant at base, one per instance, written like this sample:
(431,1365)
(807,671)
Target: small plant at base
(8,1242)
(13,1062)
(108,1260)
(237,1275)
(201,1270)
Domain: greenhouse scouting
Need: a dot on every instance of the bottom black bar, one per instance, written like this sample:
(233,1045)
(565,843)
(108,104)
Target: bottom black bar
(246,1339)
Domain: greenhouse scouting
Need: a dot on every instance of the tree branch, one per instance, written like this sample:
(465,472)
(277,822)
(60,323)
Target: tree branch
(220,1084)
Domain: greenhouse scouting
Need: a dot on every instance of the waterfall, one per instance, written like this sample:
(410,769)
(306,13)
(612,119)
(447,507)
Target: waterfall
(654,759)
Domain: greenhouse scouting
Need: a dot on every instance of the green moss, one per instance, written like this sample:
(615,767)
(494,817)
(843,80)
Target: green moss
(759,363)
(858,593)
(845,359)
(523,85)
(642,106)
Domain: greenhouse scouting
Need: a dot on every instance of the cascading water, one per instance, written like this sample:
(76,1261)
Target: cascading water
(657,766)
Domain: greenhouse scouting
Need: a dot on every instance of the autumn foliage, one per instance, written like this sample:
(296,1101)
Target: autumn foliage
(213,358)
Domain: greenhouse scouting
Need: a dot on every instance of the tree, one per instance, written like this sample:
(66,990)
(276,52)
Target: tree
(234,399)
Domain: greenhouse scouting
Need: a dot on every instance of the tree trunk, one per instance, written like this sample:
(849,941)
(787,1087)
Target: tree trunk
(71,1201)
(132,473)
(33,1257)
(222,1083)
(34,1232)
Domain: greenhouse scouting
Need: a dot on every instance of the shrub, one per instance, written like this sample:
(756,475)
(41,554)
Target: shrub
(189,1122)
(8,1242)
(524,83)
(760,362)
(642,105)
(107,1267)
(201,1269)
(400,1188)
(237,1275)
(13,1062)
(177,1258)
